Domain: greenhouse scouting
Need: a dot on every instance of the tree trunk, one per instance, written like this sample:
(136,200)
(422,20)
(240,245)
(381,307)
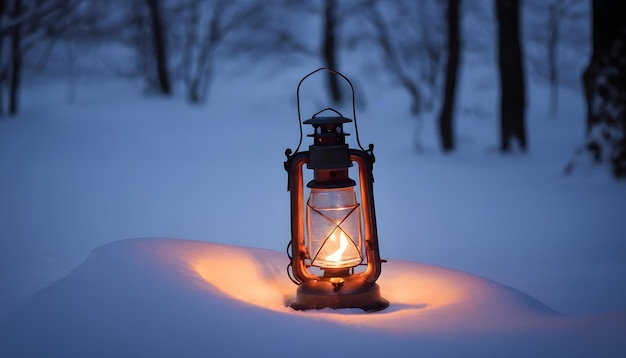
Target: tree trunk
(329,49)
(3,69)
(447,110)
(159,45)
(16,61)
(607,23)
(512,91)
(604,81)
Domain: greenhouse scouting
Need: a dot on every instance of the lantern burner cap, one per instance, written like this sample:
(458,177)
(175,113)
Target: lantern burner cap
(327,120)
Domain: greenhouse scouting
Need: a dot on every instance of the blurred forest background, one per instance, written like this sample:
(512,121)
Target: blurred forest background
(177,46)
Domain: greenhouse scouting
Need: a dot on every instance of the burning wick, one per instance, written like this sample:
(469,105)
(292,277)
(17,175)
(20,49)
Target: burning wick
(343,245)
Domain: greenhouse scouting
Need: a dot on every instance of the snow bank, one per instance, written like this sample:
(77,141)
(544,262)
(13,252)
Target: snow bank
(171,297)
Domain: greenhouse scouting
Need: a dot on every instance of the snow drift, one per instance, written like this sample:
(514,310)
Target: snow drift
(172,297)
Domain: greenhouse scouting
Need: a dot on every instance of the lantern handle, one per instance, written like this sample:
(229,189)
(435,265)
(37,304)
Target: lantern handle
(356,129)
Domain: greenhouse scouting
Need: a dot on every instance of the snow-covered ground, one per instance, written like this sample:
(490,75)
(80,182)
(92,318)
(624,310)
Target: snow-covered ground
(116,165)
(181,298)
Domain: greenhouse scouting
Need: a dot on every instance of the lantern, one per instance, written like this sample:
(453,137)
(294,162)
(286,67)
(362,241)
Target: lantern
(333,250)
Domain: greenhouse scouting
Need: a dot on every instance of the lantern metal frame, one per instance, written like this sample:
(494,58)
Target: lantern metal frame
(336,288)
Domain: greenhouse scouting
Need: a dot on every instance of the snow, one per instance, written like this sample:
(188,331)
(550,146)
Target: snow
(483,249)
(171,297)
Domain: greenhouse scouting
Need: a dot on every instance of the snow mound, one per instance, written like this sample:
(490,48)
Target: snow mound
(171,297)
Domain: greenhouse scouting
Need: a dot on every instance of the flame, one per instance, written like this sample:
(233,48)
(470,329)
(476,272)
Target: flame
(343,245)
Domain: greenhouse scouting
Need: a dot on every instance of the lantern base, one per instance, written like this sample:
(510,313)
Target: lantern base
(339,293)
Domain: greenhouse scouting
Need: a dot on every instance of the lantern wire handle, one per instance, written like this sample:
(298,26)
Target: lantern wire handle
(327,109)
(358,142)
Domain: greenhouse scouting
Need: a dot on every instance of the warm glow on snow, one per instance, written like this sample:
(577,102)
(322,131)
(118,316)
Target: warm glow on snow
(423,298)
(237,275)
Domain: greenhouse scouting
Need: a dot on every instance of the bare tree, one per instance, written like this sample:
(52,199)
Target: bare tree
(328,13)
(512,89)
(140,25)
(447,109)
(172,42)
(550,38)
(604,81)
(408,35)
(209,27)
(27,23)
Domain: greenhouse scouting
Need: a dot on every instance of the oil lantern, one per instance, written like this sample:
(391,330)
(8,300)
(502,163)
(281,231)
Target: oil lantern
(333,251)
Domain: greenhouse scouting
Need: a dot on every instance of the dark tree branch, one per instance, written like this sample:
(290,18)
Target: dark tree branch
(384,39)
